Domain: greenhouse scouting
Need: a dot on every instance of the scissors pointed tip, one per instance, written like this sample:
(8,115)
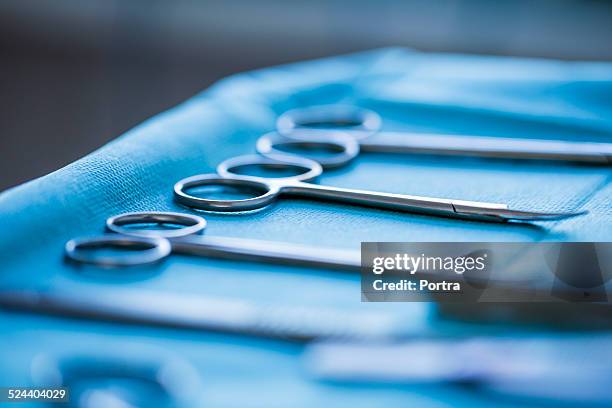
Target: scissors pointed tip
(541,216)
(504,214)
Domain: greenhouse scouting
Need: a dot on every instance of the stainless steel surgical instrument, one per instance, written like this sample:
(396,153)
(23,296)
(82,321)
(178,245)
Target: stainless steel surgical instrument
(313,125)
(180,234)
(151,245)
(549,366)
(269,189)
(135,243)
(210,314)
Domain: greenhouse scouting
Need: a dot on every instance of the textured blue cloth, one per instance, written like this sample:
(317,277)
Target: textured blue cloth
(412,91)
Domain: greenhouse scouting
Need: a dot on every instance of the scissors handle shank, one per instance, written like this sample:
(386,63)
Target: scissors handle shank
(482,146)
(267,251)
(400,202)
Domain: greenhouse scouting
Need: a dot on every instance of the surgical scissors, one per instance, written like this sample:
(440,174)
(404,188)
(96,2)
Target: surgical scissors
(152,245)
(269,189)
(313,124)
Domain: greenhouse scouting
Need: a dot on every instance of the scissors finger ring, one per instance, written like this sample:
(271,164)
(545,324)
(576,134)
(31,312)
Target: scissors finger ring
(148,249)
(124,224)
(343,147)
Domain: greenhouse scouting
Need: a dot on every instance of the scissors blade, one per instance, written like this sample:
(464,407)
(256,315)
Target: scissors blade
(474,210)
(504,214)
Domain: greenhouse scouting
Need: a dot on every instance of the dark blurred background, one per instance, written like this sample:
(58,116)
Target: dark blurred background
(77,73)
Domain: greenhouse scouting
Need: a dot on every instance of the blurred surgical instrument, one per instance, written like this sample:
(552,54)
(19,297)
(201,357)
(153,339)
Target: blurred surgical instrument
(315,125)
(209,314)
(559,368)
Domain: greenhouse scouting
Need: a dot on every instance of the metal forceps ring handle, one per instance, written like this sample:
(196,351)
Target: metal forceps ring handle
(361,122)
(345,147)
(313,123)
(189,224)
(268,189)
(155,249)
(271,189)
